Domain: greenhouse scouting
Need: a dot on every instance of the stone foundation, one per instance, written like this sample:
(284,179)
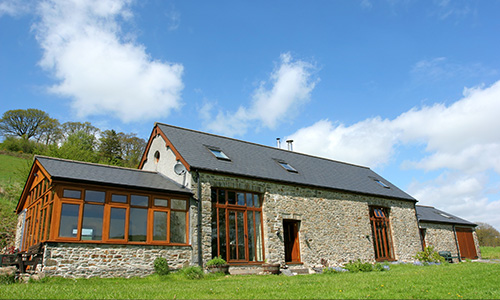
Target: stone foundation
(102,260)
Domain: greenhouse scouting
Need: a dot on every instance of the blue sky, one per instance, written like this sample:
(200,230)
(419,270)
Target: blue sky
(409,88)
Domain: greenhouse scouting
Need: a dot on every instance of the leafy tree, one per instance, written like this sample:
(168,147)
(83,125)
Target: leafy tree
(70,128)
(50,132)
(132,148)
(110,147)
(78,146)
(487,235)
(24,123)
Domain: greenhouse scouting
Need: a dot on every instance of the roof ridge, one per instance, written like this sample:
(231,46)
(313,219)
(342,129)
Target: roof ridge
(260,145)
(93,164)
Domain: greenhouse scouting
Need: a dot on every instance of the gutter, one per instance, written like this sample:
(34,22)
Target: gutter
(456,243)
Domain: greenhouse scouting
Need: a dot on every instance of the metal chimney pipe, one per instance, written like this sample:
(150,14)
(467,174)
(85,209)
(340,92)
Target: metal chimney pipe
(290,145)
(278,142)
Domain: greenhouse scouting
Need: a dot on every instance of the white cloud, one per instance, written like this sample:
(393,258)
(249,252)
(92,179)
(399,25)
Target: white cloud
(289,87)
(101,72)
(14,7)
(441,68)
(462,195)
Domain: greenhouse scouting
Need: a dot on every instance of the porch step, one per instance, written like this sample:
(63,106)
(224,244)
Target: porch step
(298,269)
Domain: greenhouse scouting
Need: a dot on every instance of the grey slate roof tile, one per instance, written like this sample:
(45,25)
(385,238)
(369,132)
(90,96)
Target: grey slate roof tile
(432,214)
(70,170)
(259,161)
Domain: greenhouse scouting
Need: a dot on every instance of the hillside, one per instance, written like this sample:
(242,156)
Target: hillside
(13,172)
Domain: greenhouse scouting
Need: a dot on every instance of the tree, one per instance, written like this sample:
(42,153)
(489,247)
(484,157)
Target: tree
(110,147)
(24,123)
(50,132)
(70,128)
(487,235)
(78,146)
(132,148)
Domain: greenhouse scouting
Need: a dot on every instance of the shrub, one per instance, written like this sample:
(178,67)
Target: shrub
(216,261)
(7,278)
(193,272)
(381,267)
(359,266)
(429,256)
(161,266)
(334,270)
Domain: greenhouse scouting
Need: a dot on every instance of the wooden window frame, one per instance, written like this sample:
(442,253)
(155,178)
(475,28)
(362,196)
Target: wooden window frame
(216,205)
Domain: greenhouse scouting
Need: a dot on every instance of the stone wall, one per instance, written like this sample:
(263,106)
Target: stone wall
(440,236)
(89,260)
(334,226)
(20,229)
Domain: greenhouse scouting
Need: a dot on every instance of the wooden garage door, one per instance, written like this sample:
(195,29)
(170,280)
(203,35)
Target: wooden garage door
(466,243)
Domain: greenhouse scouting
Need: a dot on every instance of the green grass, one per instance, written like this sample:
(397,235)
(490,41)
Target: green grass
(13,168)
(490,252)
(450,281)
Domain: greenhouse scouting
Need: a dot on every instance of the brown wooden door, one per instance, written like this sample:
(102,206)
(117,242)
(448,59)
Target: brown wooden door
(238,238)
(466,243)
(291,239)
(382,240)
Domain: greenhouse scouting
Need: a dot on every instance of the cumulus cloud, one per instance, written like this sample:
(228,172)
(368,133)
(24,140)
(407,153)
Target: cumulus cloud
(98,68)
(462,140)
(280,97)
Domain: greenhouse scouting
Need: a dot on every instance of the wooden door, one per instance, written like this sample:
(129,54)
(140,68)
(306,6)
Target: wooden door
(238,238)
(382,240)
(466,243)
(291,239)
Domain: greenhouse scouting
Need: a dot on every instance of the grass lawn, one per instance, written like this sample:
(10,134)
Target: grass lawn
(449,281)
(490,252)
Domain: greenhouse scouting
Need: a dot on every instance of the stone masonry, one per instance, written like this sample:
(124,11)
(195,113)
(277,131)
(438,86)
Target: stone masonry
(104,260)
(334,226)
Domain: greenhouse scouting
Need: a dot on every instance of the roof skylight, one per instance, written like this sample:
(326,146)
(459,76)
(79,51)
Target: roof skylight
(219,154)
(381,183)
(287,166)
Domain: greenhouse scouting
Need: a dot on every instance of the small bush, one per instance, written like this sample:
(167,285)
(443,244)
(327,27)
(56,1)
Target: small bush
(8,279)
(381,267)
(161,266)
(216,261)
(359,266)
(429,256)
(193,272)
(334,270)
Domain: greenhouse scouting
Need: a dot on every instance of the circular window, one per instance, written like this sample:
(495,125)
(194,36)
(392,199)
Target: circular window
(157,156)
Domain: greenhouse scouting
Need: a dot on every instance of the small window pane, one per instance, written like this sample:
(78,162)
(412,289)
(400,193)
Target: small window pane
(178,227)
(161,202)
(231,197)
(160,225)
(95,196)
(69,220)
(214,196)
(139,200)
(138,224)
(256,201)
(117,223)
(92,222)
(75,194)
(249,200)
(219,154)
(119,198)
(178,204)
(222,196)
(241,199)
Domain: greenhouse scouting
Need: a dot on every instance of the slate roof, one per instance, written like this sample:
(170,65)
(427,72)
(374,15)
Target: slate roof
(259,161)
(434,215)
(75,171)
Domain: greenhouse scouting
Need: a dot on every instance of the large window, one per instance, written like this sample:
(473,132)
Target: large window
(93,215)
(237,226)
